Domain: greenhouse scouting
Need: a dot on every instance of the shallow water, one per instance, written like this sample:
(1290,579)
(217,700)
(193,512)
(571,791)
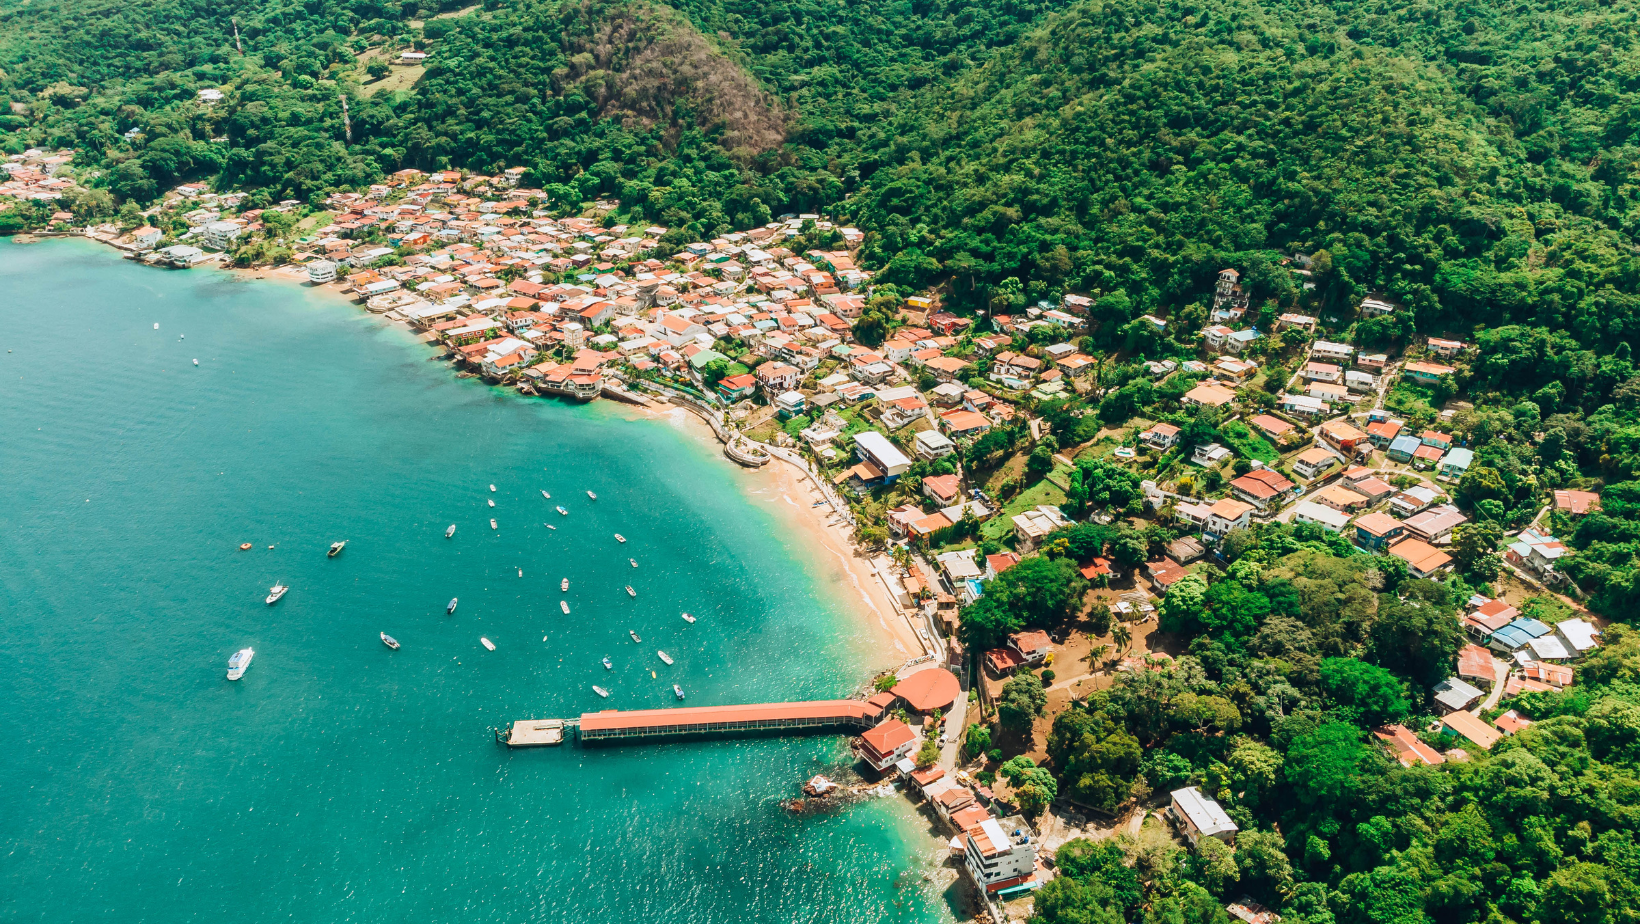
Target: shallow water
(339,780)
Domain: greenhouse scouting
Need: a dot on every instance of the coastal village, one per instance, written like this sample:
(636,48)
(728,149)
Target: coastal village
(941,440)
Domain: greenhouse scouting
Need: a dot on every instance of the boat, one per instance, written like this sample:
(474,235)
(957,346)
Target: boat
(450,532)
(688,618)
(492,489)
(620,538)
(677,691)
(275,592)
(452,607)
(563,511)
(241,659)
(492,522)
(390,641)
(545,494)
(665,657)
(492,503)
(630,592)
(608,665)
(600,691)
(564,605)
(156,327)
(196,362)
(549,526)
(634,636)
(592,495)
(336,548)
(487,643)
(564,584)
(244,546)
(520,572)
(633,562)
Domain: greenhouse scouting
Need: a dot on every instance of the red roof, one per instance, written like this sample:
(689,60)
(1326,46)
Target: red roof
(699,715)
(1577,502)
(884,739)
(1475,661)
(1408,749)
(930,689)
(1099,566)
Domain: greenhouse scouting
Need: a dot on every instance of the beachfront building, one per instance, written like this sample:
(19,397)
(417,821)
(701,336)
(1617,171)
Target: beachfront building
(882,747)
(220,235)
(998,861)
(874,449)
(1198,816)
(321,272)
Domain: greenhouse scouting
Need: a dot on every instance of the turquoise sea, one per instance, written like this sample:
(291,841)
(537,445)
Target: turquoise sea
(341,781)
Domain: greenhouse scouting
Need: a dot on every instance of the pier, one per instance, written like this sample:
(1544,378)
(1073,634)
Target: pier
(842,715)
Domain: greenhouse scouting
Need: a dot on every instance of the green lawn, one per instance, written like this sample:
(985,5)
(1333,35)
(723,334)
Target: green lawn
(1043,492)
(1243,440)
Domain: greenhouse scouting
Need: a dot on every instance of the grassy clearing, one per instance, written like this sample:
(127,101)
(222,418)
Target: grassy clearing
(1243,440)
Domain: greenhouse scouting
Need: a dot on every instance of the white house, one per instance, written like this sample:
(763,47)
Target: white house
(219,235)
(932,444)
(1032,525)
(875,448)
(1198,817)
(996,859)
(321,272)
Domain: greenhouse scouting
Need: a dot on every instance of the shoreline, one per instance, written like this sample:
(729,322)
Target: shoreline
(842,564)
(790,494)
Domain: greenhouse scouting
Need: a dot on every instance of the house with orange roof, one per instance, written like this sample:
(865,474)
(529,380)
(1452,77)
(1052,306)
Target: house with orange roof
(1423,560)
(884,745)
(1407,748)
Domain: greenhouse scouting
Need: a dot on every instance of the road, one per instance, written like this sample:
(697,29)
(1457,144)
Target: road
(1500,674)
(953,724)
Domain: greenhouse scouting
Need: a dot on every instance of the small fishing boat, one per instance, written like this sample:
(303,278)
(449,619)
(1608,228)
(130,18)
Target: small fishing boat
(244,546)
(450,532)
(492,522)
(634,636)
(545,494)
(592,495)
(275,592)
(564,605)
(390,641)
(492,489)
(563,512)
(156,327)
(196,362)
(677,691)
(520,572)
(241,659)
(630,592)
(492,503)
(564,584)
(452,607)
(336,548)
(688,618)
(665,657)
(633,562)
(550,526)
(487,643)
(620,538)
(600,691)
(609,665)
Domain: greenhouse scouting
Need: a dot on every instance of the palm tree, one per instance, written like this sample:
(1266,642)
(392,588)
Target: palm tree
(1096,655)
(1122,636)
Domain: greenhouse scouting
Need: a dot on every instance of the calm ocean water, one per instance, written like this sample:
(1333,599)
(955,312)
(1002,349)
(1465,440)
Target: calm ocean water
(340,781)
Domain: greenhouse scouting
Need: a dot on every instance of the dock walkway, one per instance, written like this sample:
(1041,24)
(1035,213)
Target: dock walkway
(845,715)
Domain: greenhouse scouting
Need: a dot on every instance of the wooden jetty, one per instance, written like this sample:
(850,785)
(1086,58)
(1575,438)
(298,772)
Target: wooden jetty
(850,716)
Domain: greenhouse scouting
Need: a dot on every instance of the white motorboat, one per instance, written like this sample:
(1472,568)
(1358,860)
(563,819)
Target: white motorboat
(609,665)
(688,618)
(275,592)
(665,657)
(390,641)
(492,523)
(592,495)
(545,494)
(492,503)
(564,584)
(563,512)
(450,532)
(550,526)
(630,592)
(600,691)
(635,637)
(677,691)
(241,659)
(633,562)
(487,643)
(196,362)
(564,605)
(620,538)
(452,607)
(336,548)
(520,572)
(492,489)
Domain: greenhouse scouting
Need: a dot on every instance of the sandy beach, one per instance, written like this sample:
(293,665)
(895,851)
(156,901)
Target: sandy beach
(790,495)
